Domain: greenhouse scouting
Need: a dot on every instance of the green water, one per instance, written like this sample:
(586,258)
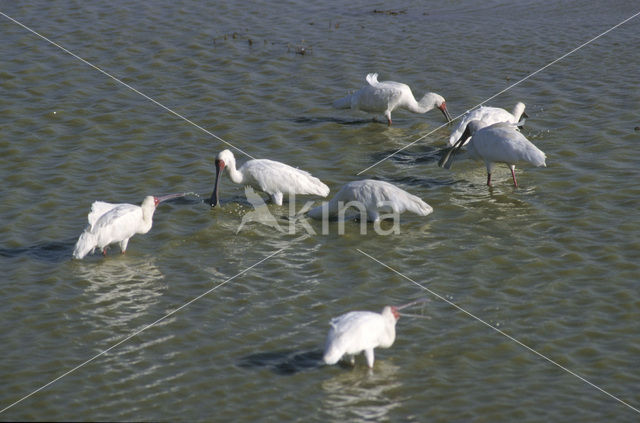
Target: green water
(554,263)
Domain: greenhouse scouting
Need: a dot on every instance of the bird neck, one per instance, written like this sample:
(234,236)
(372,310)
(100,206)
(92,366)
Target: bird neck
(147,218)
(390,332)
(517,112)
(236,175)
(425,104)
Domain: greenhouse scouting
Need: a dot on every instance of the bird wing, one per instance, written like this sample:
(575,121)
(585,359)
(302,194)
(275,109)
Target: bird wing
(378,97)
(502,142)
(381,195)
(489,115)
(272,177)
(354,331)
(119,223)
(98,208)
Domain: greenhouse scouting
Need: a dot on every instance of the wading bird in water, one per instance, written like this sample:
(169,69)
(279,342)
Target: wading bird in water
(111,223)
(362,331)
(386,96)
(358,331)
(500,142)
(274,178)
(375,197)
(489,115)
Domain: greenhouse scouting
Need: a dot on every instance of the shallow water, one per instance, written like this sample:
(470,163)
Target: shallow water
(553,263)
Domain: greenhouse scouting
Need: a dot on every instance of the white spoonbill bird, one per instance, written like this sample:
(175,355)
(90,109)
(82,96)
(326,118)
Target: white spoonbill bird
(358,331)
(384,97)
(489,115)
(111,223)
(375,197)
(500,142)
(274,178)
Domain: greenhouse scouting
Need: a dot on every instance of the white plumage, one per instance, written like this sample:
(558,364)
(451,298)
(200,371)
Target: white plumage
(116,223)
(274,178)
(489,115)
(384,97)
(358,331)
(374,197)
(500,142)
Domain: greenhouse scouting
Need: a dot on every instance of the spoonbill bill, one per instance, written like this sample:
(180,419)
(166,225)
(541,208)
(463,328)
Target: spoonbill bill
(111,223)
(489,115)
(384,97)
(274,178)
(375,197)
(358,331)
(500,142)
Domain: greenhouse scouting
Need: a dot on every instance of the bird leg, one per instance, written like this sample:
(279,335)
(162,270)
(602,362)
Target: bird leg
(277,198)
(104,251)
(488,179)
(513,174)
(369,355)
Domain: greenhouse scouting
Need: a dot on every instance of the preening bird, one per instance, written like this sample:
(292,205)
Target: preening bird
(489,115)
(384,97)
(358,331)
(274,178)
(111,223)
(371,197)
(500,142)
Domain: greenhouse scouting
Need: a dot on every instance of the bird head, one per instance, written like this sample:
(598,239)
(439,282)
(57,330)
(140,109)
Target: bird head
(149,202)
(391,311)
(394,311)
(431,100)
(224,158)
(159,199)
(442,105)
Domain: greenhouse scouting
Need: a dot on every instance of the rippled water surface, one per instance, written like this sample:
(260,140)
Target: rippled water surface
(553,264)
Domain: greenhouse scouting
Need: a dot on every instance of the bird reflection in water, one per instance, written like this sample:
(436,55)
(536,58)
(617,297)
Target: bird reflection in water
(367,394)
(119,291)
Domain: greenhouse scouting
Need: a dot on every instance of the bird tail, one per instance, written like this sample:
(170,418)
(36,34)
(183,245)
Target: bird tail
(85,245)
(343,103)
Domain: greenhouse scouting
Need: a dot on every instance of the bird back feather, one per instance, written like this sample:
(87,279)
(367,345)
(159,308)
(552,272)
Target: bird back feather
(270,176)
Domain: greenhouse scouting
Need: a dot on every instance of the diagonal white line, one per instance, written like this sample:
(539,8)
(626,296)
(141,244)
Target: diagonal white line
(128,86)
(144,328)
(499,331)
(501,92)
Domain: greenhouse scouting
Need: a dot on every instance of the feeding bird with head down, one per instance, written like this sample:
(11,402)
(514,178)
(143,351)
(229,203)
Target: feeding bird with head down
(269,176)
(501,143)
(386,96)
(373,198)
(117,223)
